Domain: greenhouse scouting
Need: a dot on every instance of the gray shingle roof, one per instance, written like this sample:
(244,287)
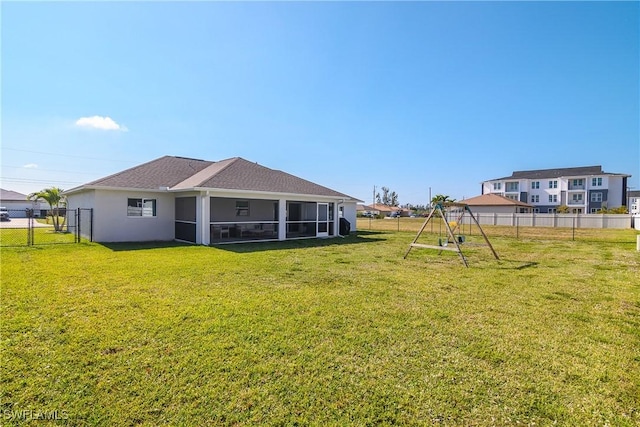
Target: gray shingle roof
(11,195)
(558,173)
(164,172)
(180,173)
(241,174)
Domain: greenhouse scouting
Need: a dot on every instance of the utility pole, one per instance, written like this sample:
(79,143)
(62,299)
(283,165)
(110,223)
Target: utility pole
(373,203)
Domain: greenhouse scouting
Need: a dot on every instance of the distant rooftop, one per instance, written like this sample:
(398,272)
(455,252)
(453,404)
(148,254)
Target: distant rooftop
(558,173)
(493,200)
(11,195)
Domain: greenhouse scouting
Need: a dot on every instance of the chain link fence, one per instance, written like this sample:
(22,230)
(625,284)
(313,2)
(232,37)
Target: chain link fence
(26,227)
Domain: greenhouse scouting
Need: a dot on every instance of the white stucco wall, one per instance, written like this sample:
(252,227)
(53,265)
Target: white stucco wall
(350,214)
(110,220)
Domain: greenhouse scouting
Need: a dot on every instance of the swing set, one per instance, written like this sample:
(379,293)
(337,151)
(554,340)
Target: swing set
(451,228)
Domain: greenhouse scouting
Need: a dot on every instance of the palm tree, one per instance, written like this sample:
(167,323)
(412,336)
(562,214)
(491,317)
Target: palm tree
(55,198)
(441,198)
(438,199)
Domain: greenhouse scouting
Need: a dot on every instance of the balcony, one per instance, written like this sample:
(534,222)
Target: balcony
(574,187)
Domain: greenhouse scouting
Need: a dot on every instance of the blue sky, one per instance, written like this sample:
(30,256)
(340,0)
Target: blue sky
(410,95)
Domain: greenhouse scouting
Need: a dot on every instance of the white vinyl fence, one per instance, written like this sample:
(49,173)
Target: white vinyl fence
(550,220)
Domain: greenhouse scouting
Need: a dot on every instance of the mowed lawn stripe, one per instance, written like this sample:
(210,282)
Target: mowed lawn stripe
(331,332)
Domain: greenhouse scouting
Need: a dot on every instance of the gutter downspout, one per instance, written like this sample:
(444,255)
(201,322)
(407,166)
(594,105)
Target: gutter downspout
(340,202)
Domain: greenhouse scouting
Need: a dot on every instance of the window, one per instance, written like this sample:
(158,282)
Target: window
(595,210)
(536,210)
(512,186)
(242,208)
(552,210)
(511,196)
(553,198)
(535,185)
(577,182)
(497,186)
(535,198)
(596,182)
(576,197)
(141,207)
(553,184)
(596,197)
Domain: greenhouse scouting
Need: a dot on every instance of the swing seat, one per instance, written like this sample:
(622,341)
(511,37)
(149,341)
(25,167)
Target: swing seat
(443,242)
(460,239)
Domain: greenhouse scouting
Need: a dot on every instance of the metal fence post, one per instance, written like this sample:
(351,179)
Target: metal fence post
(78,214)
(29,228)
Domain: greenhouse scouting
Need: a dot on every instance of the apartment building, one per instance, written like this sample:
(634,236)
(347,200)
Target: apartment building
(583,189)
(634,202)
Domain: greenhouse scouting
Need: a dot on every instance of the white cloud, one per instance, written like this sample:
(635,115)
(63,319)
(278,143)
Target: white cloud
(30,166)
(99,122)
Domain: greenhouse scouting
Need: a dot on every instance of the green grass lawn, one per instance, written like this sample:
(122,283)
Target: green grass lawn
(331,332)
(13,237)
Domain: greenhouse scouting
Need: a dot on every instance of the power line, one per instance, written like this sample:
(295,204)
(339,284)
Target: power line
(48,170)
(29,181)
(65,155)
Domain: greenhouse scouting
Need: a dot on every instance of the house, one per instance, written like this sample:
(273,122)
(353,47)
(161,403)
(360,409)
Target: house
(206,202)
(367,211)
(17,203)
(634,202)
(494,203)
(583,189)
(384,209)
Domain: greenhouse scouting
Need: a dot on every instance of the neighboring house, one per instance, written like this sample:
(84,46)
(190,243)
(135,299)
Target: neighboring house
(205,202)
(583,189)
(384,209)
(494,203)
(17,203)
(634,202)
(367,210)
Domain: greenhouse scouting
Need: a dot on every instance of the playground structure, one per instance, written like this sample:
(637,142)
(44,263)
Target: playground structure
(451,228)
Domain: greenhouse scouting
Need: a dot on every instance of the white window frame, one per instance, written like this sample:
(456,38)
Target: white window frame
(535,185)
(553,198)
(497,186)
(552,210)
(577,197)
(242,208)
(535,198)
(596,197)
(145,208)
(553,184)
